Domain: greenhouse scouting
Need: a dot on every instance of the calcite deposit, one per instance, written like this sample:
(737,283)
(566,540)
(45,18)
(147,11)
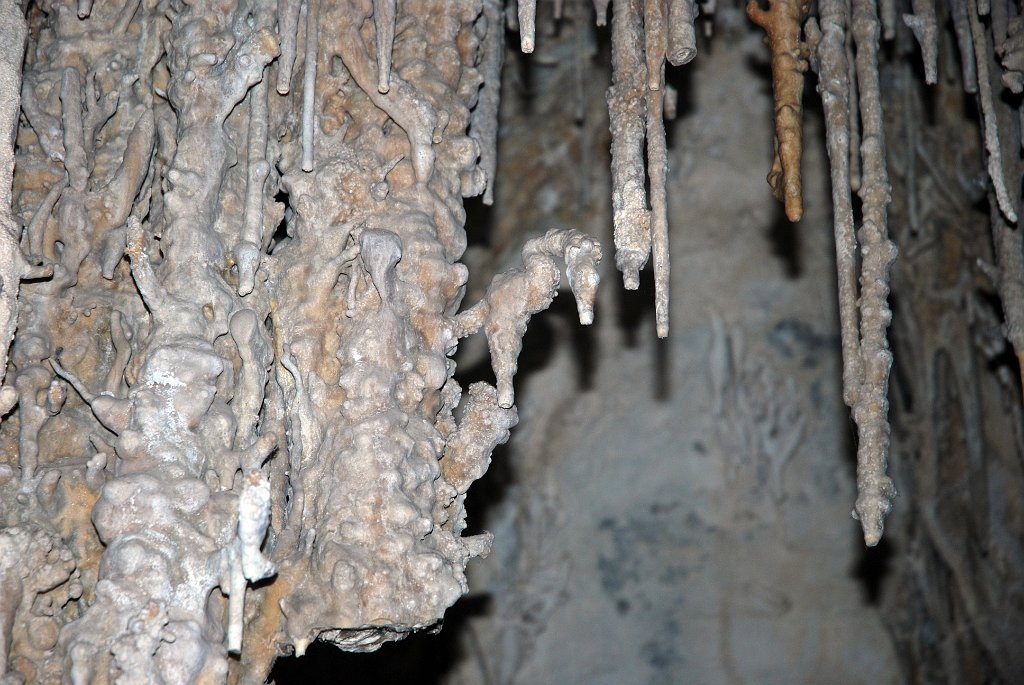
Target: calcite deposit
(234,428)
(231,290)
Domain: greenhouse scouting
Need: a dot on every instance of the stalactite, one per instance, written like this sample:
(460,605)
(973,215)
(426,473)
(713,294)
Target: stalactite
(888,15)
(46,126)
(247,252)
(925,28)
(12,264)
(655,41)
(36,228)
(247,563)
(484,124)
(288,28)
(1011,53)
(657,35)
(513,297)
(527,24)
(384,24)
(309,82)
(988,115)
(854,100)
(657,155)
(682,36)
(782,22)
(402,102)
(175,365)
(962,26)
(626,114)
(828,57)
(875,489)
(1009,253)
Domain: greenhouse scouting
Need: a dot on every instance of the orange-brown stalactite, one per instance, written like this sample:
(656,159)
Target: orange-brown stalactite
(782,22)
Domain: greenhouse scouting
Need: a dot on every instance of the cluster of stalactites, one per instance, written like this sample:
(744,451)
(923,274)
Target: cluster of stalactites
(645,33)
(841,44)
(864,312)
(980,43)
(851,98)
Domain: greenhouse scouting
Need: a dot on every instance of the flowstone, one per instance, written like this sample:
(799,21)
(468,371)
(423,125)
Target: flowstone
(239,439)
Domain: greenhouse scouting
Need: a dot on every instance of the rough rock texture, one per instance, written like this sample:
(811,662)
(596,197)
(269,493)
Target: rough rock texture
(216,388)
(228,315)
(714,564)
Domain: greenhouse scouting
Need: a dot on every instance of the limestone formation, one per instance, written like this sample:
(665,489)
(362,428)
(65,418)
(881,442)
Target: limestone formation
(228,311)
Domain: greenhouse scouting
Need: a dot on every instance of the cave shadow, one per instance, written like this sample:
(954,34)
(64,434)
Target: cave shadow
(520,79)
(634,308)
(635,318)
(784,235)
(760,65)
(479,221)
(490,491)
(662,386)
(784,239)
(583,341)
(424,658)
(873,567)
(681,79)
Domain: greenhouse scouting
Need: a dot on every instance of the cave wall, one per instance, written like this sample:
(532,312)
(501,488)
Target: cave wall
(232,363)
(239,265)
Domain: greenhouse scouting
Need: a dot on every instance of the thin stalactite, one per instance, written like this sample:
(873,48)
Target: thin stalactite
(781,22)
(854,100)
(874,488)
(828,57)
(527,25)
(288,28)
(657,168)
(682,35)
(626,113)
(655,41)
(309,82)
(384,25)
(484,125)
(962,27)
(988,115)
(657,37)
(249,248)
(924,25)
